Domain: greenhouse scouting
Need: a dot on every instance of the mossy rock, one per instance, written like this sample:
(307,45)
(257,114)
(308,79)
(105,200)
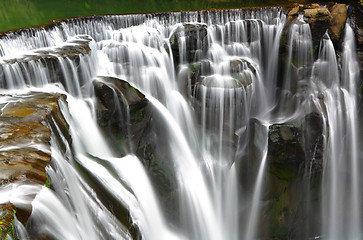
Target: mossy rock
(123,112)
(7,220)
(294,173)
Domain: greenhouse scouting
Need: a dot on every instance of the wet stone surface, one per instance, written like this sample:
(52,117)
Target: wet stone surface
(25,133)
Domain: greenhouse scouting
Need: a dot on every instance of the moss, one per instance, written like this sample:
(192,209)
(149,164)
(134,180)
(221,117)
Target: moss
(137,115)
(7,227)
(47,183)
(160,175)
(282,171)
(11,231)
(132,89)
(315,48)
(194,67)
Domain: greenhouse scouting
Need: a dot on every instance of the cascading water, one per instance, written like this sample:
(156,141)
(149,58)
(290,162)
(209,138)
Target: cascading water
(214,81)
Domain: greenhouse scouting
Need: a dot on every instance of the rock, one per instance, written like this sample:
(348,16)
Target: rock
(337,24)
(22,124)
(123,112)
(62,62)
(314,6)
(317,13)
(294,11)
(356,22)
(318,17)
(6,220)
(356,17)
(26,122)
(70,49)
(299,143)
(284,145)
(294,169)
(217,94)
(241,73)
(190,75)
(319,21)
(196,42)
(131,126)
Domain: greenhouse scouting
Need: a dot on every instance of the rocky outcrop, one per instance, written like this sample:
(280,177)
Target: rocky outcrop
(356,22)
(293,176)
(337,23)
(66,64)
(299,144)
(128,120)
(295,163)
(123,112)
(194,36)
(216,94)
(321,19)
(70,49)
(26,122)
(7,212)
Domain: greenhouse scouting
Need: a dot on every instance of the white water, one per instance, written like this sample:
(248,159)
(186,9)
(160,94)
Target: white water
(200,123)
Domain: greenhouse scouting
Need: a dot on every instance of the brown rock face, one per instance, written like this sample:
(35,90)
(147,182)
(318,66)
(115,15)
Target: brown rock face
(339,17)
(24,144)
(316,13)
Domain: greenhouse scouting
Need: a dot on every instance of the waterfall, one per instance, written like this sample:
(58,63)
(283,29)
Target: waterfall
(252,128)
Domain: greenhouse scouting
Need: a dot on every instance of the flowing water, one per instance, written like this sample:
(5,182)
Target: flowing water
(207,74)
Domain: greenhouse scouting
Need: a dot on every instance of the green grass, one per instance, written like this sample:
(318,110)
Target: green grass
(15,14)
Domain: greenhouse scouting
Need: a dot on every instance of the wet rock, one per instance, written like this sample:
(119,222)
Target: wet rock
(298,143)
(196,42)
(356,22)
(26,122)
(63,63)
(356,17)
(284,144)
(294,11)
(318,17)
(123,112)
(293,176)
(23,164)
(240,73)
(6,220)
(70,49)
(128,119)
(319,21)
(294,166)
(337,24)
(317,13)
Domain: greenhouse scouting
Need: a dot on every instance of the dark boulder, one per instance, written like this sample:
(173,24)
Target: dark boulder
(195,38)
(356,22)
(123,112)
(132,126)
(293,175)
(298,144)
(294,166)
